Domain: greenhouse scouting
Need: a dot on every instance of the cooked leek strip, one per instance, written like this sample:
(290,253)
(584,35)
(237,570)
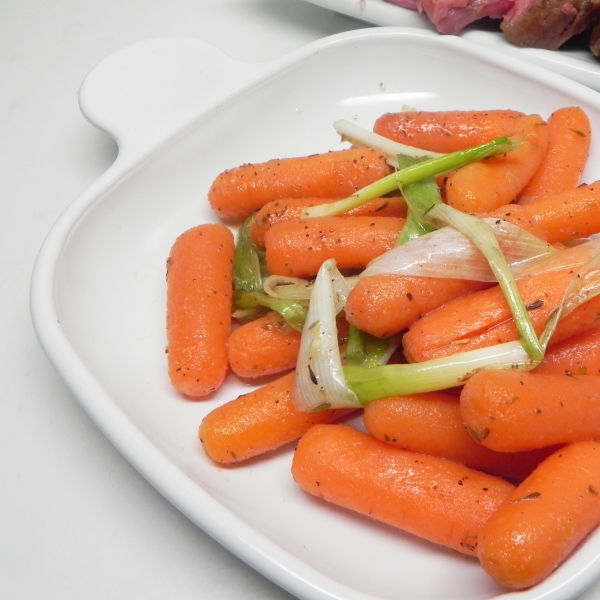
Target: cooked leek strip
(365,350)
(246,262)
(280,286)
(293,312)
(437,374)
(420,197)
(320,381)
(446,252)
(363,138)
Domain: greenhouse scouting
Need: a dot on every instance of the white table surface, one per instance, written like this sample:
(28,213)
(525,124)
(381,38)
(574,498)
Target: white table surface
(76,520)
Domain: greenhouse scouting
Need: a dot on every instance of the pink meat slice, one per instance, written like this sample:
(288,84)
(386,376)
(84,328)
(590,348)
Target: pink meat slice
(451,16)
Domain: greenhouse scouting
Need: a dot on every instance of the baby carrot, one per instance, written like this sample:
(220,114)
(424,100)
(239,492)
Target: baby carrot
(569,137)
(257,422)
(515,411)
(433,498)
(482,186)
(520,216)
(483,318)
(544,518)
(569,215)
(298,248)
(262,347)
(199,298)
(446,131)
(577,355)
(288,209)
(431,423)
(237,193)
(384,305)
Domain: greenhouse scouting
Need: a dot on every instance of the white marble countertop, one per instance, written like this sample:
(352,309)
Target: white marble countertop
(76,520)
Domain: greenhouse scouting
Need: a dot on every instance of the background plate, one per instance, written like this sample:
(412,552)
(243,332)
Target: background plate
(572,61)
(182,112)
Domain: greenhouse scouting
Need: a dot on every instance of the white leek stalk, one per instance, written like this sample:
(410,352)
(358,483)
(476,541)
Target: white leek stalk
(363,138)
(446,252)
(320,381)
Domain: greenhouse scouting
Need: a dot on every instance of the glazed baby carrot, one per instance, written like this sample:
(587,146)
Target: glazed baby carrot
(264,346)
(577,355)
(431,424)
(237,193)
(288,209)
(544,518)
(199,299)
(569,137)
(433,498)
(383,305)
(515,411)
(520,216)
(570,215)
(485,185)
(446,131)
(483,318)
(298,248)
(257,422)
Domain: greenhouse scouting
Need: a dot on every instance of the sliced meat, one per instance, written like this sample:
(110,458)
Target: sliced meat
(451,16)
(548,23)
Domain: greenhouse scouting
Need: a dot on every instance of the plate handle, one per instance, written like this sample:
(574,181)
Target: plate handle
(147,91)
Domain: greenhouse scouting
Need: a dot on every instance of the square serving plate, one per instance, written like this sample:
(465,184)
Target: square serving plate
(182,112)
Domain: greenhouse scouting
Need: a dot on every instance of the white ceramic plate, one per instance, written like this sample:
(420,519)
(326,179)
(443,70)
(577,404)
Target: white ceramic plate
(575,62)
(182,112)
